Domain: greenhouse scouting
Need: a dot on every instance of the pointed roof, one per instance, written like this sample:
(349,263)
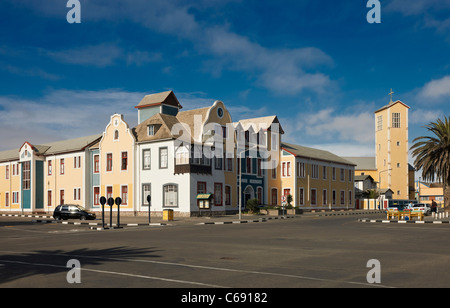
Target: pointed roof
(392,104)
(257,123)
(301,151)
(53,148)
(167,98)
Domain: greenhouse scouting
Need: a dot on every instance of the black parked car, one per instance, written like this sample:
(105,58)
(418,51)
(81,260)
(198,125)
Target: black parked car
(69,211)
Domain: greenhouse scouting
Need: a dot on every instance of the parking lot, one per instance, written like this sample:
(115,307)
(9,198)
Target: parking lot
(306,251)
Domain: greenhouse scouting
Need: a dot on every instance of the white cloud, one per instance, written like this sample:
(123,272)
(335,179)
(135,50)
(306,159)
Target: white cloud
(281,70)
(67,114)
(63,114)
(436,89)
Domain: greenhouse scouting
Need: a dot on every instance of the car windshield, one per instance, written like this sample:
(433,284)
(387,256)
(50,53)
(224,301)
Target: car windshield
(80,207)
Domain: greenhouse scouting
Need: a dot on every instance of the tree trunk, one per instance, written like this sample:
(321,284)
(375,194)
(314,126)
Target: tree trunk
(446,196)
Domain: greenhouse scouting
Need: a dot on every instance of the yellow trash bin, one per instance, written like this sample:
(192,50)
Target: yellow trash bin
(168,215)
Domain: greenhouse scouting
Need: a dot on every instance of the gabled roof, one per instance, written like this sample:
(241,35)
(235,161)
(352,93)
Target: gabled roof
(392,104)
(163,124)
(363,178)
(53,148)
(301,151)
(156,99)
(258,123)
(363,163)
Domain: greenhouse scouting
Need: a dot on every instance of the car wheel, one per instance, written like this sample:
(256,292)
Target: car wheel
(82,217)
(57,218)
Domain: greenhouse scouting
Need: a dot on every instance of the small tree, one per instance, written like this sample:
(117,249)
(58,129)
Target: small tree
(252,205)
(289,200)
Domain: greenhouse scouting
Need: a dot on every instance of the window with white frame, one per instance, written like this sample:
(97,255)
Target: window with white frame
(163,158)
(170,195)
(396,120)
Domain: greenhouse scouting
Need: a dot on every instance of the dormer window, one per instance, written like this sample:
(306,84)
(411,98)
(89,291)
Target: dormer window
(151,130)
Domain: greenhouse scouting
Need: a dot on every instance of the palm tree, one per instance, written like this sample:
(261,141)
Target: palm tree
(432,155)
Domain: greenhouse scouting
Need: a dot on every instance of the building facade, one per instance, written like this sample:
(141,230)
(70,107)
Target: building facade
(194,162)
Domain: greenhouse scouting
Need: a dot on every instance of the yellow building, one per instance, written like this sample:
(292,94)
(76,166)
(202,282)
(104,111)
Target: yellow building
(316,179)
(117,150)
(391,142)
(390,168)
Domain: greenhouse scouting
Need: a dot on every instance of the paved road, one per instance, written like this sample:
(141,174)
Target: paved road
(302,252)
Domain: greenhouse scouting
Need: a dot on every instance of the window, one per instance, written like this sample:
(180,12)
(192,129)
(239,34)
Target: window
(248,165)
(77,194)
(258,167)
(77,162)
(342,174)
(49,198)
(313,196)
(170,195)
(61,166)
(301,196)
(146,191)
(301,169)
(259,192)
(49,167)
(61,196)
(15,197)
(274,194)
(201,189)
(26,175)
(315,171)
(163,159)
(116,135)
(96,195)
(334,197)
(396,120)
(228,195)
(124,160)
(379,122)
(109,162)
(288,169)
(324,197)
(7,199)
(324,172)
(7,173)
(218,194)
(146,159)
(283,169)
(124,195)
(334,174)
(350,175)
(342,197)
(350,197)
(274,169)
(230,164)
(182,156)
(96,163)
(109,192)
(218,162)
(151,130)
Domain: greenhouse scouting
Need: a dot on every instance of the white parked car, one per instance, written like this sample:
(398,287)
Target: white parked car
(422,207)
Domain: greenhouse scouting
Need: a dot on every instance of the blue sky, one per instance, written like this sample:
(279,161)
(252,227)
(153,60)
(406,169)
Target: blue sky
(318,65)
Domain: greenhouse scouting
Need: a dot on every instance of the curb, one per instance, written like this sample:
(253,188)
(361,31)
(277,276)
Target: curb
(344,213)
(265,219)
(96,223)
(404,221)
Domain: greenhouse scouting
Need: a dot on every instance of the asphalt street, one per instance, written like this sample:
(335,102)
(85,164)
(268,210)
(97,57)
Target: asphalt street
(301,252)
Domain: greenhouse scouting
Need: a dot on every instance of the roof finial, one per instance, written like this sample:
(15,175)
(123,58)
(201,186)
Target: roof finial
(391,96)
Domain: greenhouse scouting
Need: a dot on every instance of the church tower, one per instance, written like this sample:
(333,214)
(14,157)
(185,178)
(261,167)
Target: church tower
(391,141)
